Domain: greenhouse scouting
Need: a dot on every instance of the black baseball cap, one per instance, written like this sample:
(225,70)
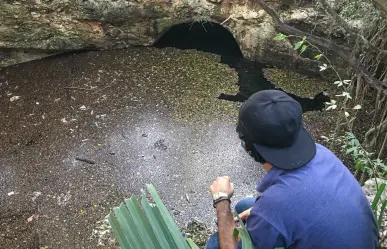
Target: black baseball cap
(272,121)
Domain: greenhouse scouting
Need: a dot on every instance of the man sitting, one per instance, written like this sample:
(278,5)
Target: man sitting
(309,199)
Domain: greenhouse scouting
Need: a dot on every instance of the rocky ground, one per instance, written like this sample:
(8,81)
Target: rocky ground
(80,132)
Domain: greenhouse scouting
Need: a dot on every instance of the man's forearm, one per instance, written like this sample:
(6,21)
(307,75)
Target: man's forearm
(226,225)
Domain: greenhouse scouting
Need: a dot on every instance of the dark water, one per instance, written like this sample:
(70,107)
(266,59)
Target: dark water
(214,38)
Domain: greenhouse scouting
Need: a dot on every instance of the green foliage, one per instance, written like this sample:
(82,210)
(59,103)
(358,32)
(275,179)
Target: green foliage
(382,209)
(379,212)
(152,227)
(377,197)
(298,45)
(364,161)
(245,237)
(303,48)
(279,37)
(149,227)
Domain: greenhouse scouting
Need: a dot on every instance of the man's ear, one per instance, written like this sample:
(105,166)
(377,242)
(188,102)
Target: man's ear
(267,166)
(244,145)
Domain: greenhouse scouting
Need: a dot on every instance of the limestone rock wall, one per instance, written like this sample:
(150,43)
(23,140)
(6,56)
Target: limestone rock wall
(45,26)
(41,27)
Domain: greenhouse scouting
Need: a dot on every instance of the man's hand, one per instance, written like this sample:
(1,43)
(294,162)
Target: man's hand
(222,185)
(226,225)
(243,215)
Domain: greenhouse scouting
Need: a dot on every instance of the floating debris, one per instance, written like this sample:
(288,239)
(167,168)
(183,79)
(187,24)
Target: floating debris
(300,85)
(63,198)
(85,160)
(14,98)
(36,194)
(33,217)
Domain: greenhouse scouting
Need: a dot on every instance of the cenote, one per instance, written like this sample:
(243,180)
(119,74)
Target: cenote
(142,115)
(213,38)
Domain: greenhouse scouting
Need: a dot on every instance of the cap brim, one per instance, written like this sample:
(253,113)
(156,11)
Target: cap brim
(292,157)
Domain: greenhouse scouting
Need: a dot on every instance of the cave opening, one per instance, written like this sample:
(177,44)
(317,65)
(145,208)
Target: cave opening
(203,36)
(213,38)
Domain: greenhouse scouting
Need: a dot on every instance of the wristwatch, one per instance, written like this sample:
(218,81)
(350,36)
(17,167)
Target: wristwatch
(220,196)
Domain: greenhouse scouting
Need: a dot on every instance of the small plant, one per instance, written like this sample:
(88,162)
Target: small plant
(147,227)
(364,161)
(152,227)
(302,45)
(379,212)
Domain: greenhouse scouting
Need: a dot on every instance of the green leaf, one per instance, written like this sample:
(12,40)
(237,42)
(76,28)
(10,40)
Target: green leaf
(359,165)
(245,237)
(279,37)
(368,170)
(235,233)
(192,244)
(119,233)
(303,48)
(317,57)
(166,231)
(298,45)
(382,166)
(246,240)
(145,231)
(350,150)
(350,135)
(148,227)
(382,213)
(377,196)
(303,38)
(157,224)
(125,222)
(172,227)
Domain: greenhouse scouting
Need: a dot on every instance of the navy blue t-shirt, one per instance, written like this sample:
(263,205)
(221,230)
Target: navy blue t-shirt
(318,206)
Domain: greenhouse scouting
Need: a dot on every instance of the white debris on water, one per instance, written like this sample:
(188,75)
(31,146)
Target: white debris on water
(14,98)
(64,198)
(36,194)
